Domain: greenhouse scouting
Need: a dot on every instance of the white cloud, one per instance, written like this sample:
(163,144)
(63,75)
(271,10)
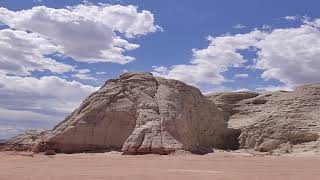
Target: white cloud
(241,90)
(21,116)
(266,27)
(239,26)
(272,88)
(86,33)
(289,55)
(8,131)
(22,53)
(13,122)
(84,71)
(125,19)
(290,18)
(100,73)
(84,74)
(28,102)
(241,75)
(208,64)
(47,95)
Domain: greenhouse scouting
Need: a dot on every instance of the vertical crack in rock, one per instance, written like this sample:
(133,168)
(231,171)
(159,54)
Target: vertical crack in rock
(148,122)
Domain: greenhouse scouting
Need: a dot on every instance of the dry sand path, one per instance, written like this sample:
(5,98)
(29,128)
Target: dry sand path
(220,166)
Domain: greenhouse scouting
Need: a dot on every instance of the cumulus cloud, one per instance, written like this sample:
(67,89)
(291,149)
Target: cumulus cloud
(208,64)
(84,74)
(28,102)
(47,95)
(22,53)
(25,116)
(239,26)
(100,72)
(17,121)
(271,88)
(86,33)
(289,55)
(290,18)
(241,75)
(30,39)
(8,131)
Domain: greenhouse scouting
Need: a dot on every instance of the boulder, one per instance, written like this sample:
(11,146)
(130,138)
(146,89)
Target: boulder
(138,114)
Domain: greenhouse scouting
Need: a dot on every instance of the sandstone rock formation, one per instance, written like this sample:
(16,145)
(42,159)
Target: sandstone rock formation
(23,142)
(139,113)
(279,121)
(2,143)
(229,101)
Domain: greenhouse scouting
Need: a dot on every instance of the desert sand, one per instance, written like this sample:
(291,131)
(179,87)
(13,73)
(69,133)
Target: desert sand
(112,165)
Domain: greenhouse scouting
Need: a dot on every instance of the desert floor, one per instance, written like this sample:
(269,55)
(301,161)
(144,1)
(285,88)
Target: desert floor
(222,166)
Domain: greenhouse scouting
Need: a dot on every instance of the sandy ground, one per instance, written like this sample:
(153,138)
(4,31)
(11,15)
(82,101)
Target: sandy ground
(108,166)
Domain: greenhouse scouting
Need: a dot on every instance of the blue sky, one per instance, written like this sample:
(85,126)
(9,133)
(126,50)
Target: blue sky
(186,25)
(215,45)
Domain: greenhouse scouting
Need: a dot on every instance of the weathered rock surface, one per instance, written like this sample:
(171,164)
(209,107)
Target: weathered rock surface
(229,101)
(280,121)
(139,113)
(2,141)
(23,142)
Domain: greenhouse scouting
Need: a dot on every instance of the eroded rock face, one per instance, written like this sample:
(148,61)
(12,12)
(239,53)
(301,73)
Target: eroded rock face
(23,142)
(229,101)
(140,113)
(276,121)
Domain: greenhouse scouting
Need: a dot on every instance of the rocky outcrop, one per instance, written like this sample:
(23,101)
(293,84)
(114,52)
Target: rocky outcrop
(23,142)
(274,121)
(139,113)
(229,101)
(2,141)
